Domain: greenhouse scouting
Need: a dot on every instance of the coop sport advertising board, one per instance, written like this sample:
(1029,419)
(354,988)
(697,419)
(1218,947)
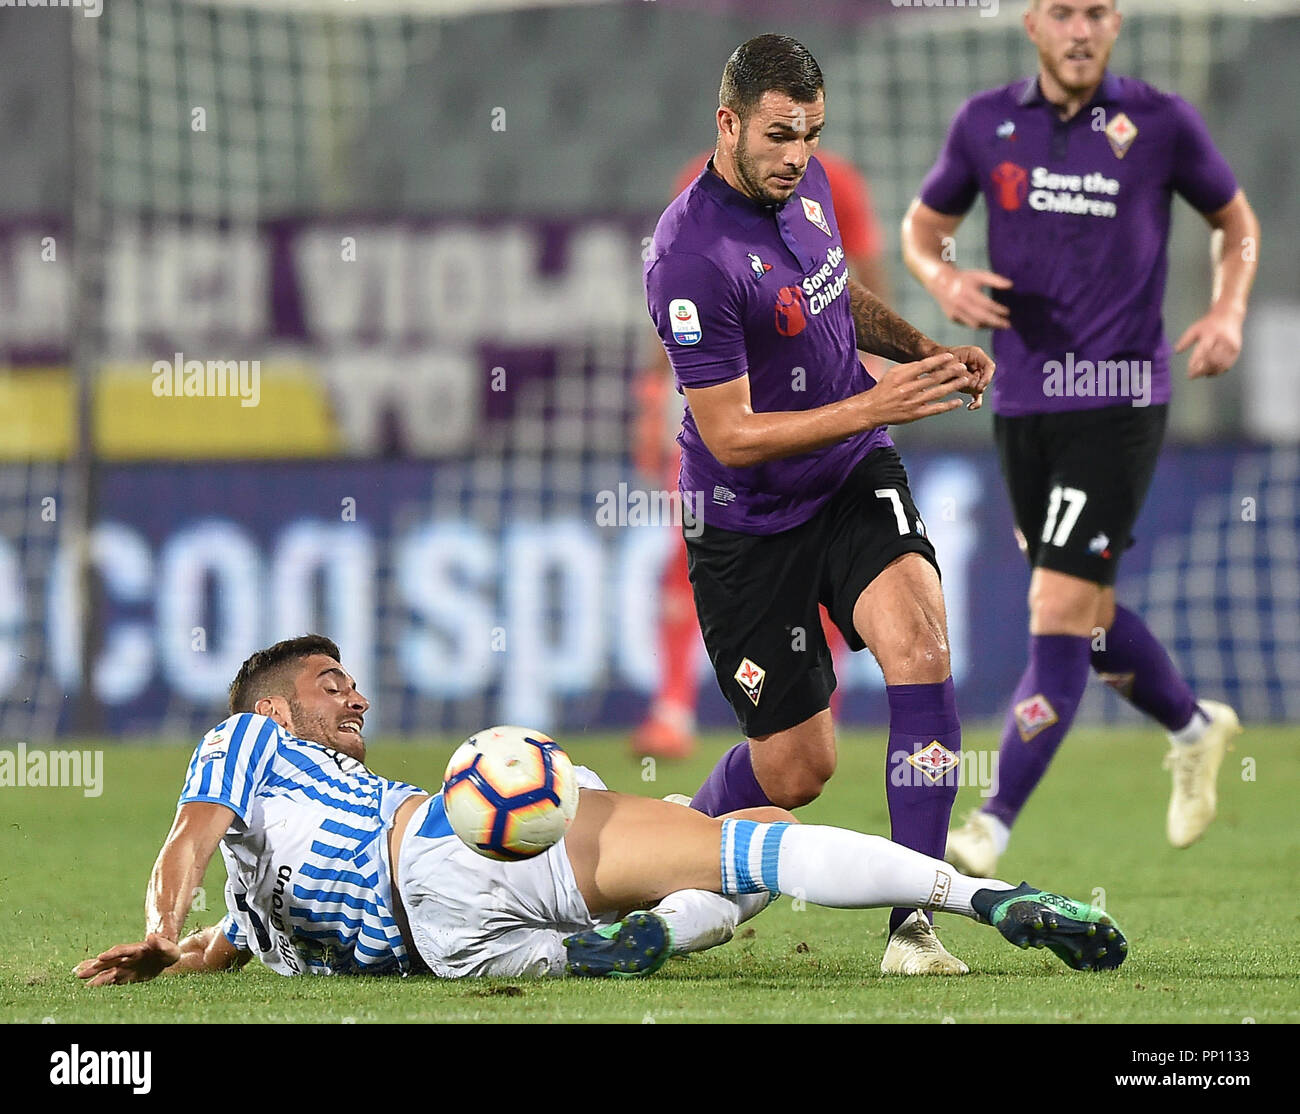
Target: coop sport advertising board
(545,616)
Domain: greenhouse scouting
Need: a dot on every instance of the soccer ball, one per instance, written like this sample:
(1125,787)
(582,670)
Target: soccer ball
(510,793)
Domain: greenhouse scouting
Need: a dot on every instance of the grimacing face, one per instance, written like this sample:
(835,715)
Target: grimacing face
(772,147)
(1074,39)
(326,707)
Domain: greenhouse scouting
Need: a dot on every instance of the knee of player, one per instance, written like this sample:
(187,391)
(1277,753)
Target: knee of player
(1061,613)
(1105,616)
(930,651)
(922,652)
(771,815)
(800,784)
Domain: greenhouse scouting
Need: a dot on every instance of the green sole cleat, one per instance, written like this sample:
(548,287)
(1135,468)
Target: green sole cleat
(1081,936)
(637,945)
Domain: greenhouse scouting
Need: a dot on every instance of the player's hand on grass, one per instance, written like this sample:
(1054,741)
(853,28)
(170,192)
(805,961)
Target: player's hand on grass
(961,296)
(125,963)
(908,392)
(1217,337)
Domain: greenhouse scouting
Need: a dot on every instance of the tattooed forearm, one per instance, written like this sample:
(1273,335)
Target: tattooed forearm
(881,331)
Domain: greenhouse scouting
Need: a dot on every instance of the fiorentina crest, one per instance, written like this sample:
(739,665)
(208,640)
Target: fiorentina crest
(934,760)
(1121,132)
(1034,715)
(813,211)
(750,678)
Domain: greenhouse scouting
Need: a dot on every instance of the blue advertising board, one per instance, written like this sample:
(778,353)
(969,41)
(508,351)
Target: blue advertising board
(471,592)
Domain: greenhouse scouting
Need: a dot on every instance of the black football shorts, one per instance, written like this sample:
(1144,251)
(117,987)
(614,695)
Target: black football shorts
(757,594)
(1077,480)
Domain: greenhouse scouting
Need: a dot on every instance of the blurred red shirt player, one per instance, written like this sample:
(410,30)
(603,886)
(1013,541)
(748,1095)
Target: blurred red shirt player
(669,728)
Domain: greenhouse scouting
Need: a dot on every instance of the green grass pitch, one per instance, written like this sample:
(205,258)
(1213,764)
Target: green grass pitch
(1212,929)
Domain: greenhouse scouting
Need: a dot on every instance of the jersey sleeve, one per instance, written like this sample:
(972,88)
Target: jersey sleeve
(953,182)
(236,926)
(859,229)
(231,763)
(698,315)
(1200,172)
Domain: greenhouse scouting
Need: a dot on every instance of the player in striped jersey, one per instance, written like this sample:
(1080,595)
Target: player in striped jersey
(338,916)
(335,870)
(302,825)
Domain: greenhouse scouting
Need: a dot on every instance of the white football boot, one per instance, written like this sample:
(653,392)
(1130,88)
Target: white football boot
(1195,768)
(973,848)
(914,949)
(679,799)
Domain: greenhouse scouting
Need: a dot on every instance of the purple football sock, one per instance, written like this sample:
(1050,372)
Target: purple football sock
(1041,713)
(1137,667)
(731,785)
(920,769)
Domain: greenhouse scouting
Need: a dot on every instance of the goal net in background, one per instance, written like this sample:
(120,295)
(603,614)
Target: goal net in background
(424,222)
(229,145)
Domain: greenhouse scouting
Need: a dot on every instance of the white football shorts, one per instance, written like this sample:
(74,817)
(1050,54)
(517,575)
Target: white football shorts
(471,915)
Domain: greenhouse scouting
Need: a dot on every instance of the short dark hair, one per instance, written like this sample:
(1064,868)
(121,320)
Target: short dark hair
(769,63)
(270,672)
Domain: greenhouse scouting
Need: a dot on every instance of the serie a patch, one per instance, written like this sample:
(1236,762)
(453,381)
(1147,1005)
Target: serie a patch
(685,320)
(1034,715)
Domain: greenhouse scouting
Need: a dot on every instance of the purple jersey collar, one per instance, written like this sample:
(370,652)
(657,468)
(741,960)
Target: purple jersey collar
(741,205)
(1107,92)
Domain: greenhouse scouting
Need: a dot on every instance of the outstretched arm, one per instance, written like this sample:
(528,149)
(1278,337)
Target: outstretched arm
(208,950)
(178,871)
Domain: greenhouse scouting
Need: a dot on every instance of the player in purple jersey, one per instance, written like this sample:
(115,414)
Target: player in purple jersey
(794,491)
(1077,167)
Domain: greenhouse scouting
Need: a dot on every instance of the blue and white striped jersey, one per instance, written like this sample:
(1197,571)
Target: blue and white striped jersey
(309,884)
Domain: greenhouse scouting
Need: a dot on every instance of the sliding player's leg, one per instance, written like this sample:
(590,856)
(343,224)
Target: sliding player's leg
(610,848)
(470,916)
(628,851)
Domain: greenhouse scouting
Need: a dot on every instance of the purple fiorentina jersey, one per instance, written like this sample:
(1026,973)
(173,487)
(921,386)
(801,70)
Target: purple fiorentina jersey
(736,287)
(1079,222)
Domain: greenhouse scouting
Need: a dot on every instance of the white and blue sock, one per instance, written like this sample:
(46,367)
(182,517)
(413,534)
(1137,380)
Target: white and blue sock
(841,869)
(700,919)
